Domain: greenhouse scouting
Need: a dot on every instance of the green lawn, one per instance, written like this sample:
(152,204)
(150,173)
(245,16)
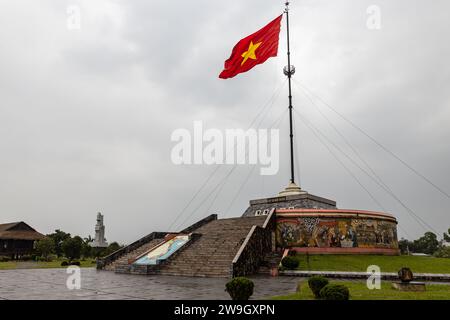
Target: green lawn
(39,265)
(361,262)
(359,291)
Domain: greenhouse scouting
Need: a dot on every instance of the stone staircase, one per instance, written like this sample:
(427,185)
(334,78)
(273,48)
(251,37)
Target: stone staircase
(121,265)
(212,254)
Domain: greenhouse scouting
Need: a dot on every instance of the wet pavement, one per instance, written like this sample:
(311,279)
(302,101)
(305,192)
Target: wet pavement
(50,284)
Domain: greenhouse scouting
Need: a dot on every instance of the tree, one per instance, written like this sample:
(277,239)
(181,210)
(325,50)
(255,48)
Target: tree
(72,247)
(58,238)
(114,246)
(86,249)
(447,236)
(406,246)
(45,247)
(443,252)
(428,243)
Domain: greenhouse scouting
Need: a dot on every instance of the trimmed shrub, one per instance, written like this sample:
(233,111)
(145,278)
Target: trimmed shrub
(64,264)
(292,253)
(316,284)
(75,263)
(240,288)
(290,262)
(335,292)
(4,259)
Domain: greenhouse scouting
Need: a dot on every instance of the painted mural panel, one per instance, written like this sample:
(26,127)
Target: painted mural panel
(336,233)
(163,251)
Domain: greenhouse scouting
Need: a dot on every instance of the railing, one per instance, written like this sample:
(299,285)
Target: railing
(257,243)
(200,223)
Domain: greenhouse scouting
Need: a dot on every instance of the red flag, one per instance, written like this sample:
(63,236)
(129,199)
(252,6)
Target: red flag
(253,50)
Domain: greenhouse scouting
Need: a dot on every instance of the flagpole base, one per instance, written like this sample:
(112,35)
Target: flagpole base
(292,189)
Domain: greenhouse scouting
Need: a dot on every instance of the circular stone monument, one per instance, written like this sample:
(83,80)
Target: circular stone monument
(312,224)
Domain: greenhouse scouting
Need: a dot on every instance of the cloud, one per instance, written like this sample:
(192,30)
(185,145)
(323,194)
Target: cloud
(86,115)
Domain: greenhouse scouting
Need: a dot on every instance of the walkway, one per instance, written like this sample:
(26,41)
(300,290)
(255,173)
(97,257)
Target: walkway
(106,285)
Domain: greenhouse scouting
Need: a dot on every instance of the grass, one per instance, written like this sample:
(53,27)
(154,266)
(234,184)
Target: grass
(40,265)
(360,263)
(359,291)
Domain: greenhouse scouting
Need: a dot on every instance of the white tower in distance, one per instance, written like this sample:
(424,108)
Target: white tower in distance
(100,241)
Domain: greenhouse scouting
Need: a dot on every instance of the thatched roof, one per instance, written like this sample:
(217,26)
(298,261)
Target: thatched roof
(18,231)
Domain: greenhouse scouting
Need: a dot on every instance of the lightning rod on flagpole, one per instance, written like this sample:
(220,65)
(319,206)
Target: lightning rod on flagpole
(289,71)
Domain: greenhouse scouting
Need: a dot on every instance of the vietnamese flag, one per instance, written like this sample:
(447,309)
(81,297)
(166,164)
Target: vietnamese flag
(253,50)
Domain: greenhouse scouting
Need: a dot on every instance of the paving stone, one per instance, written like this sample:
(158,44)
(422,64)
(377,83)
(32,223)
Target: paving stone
(38,284)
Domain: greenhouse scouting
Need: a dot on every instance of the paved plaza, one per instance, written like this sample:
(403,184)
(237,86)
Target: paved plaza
(103,285)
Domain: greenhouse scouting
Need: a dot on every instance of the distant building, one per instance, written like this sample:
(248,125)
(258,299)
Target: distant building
(17,239)
(99,241)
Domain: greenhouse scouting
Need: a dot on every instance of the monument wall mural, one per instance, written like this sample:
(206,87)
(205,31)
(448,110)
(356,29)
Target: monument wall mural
(163,251)
(336,232)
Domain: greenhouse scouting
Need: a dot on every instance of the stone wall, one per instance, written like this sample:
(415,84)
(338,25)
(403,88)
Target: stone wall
(256,245)
(200,223)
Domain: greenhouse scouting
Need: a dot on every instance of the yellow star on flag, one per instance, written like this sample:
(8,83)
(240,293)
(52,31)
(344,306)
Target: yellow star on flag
(250,53)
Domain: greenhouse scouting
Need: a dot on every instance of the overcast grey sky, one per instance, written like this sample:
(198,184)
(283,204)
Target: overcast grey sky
(86,115)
